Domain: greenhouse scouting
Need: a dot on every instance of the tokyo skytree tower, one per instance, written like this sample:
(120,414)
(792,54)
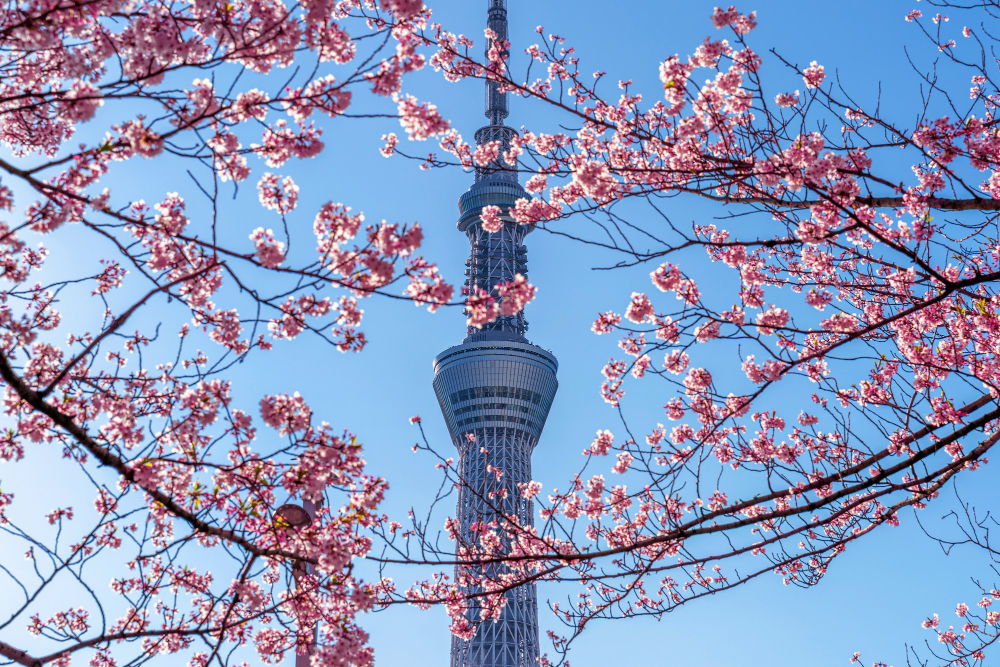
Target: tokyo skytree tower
(497,387)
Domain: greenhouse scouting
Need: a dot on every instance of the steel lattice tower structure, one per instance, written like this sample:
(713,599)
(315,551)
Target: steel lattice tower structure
(497,387)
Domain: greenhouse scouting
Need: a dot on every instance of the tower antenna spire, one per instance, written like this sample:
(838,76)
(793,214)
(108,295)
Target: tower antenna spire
(496,104)
(496,100)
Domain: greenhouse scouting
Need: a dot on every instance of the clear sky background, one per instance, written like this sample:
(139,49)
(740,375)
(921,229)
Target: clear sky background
(874,597)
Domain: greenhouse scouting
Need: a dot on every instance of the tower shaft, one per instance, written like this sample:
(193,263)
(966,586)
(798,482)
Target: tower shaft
(498,391)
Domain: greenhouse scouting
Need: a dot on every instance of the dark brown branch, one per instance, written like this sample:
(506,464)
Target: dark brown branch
(19,656)
(940,203)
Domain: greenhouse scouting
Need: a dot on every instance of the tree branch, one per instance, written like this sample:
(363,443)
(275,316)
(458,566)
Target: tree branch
(19,656)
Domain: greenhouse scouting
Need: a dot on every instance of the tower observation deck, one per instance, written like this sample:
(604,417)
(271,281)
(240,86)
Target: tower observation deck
(497,387)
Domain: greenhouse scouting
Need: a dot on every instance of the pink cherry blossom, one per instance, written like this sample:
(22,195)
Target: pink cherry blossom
(740,23)
(389,147)
(481,308)
(787,99)
(606,322)
(81,102)
(640,309)
(421,120)
(270,252)
(403,8)
(286,413)
(813,75)
(515,295)
(602,443)
(278,197)
(490,218)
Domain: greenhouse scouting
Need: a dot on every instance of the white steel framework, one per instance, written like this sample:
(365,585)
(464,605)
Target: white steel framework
(495,391)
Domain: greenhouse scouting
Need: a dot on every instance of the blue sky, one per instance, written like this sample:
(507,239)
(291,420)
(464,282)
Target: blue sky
(874,597)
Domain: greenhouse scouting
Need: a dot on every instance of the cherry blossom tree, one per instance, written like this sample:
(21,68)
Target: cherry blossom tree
(844,274)
(827,344)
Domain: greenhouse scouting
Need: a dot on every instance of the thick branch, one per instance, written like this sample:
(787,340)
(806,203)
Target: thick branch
(18,656)
(940,203)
